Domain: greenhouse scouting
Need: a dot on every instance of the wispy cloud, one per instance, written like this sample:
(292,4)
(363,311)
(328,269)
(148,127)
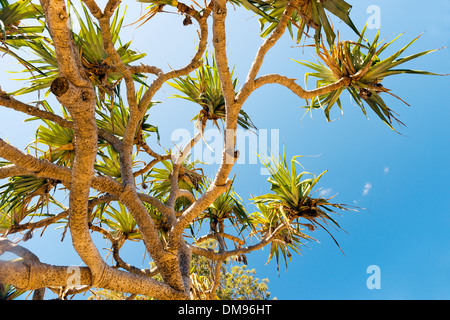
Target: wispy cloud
(386,170)
(325,192)
(367,188)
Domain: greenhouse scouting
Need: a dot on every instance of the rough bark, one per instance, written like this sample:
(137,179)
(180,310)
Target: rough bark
(76,93)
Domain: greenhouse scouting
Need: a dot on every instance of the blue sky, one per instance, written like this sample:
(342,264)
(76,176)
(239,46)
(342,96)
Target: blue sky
(402,181)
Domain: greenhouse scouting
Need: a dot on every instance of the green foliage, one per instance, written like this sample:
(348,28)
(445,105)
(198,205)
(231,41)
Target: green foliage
(59,141)
(113,115)
(110,165)
(290,207)
(14,33)
(205,89)
(363,63)
(160,222)
(239,283)
(95,60)
(24,195)
(308,14)
(285,215)
(228,207)
(236,281)
(8,292)
(121,223)
(189,177)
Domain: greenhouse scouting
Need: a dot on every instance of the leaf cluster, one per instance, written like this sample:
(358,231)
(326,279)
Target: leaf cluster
(308,14)
(204,88)
(89,43)
(290,208)
(15,34)
(361,61)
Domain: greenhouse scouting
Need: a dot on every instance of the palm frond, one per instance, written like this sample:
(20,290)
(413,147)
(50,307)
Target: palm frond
(121,222)
(205,89)
(89,43)
(14,33)
(291,207)
(113,117)
(309,14)
(364,65)
(228,206)
(190,178)
(25,195)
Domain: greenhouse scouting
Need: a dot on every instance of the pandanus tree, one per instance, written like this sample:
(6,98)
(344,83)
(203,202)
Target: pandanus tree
(94,157)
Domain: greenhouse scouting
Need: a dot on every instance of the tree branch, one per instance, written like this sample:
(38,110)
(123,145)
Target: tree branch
(212,292)
(267,45)
(62,215)
(6,245)
(210,254)
(221,183)
(192,65)
(222,234)
(80,101)
(194,210)
(69,63)
(31,275)
(12,171)
(10,102)
(298,90)
(219,41)
(122,264)
(25,164)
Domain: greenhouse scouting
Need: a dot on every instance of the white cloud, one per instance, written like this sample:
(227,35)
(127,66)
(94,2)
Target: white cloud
(386,170)
(325,192)
(367,188)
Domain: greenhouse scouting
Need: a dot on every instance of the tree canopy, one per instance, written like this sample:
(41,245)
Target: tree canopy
(95,169)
